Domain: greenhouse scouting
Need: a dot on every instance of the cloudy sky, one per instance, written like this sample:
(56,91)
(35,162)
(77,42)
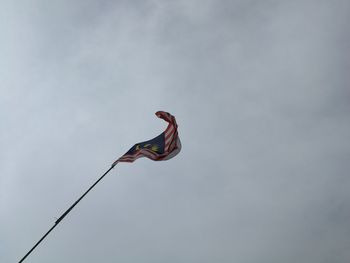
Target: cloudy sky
(260,90)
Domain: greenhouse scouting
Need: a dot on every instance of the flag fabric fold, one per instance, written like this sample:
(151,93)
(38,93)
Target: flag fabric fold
(163,147)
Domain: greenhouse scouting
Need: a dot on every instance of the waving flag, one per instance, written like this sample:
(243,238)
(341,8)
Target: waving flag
(163,147)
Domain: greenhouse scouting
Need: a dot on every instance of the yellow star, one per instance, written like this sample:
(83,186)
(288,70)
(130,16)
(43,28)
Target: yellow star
(155,148)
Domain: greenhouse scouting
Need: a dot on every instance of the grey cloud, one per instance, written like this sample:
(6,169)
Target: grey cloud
(260,91)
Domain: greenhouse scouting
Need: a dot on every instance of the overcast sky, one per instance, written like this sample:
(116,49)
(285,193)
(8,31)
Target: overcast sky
(260,90)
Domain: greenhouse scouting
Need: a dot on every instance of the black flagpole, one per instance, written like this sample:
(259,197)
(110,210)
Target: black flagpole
(66,213)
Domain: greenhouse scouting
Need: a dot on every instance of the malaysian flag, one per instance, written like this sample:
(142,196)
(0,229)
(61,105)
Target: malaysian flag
(163,147)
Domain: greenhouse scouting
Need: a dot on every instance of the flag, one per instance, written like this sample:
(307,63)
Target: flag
(163,147)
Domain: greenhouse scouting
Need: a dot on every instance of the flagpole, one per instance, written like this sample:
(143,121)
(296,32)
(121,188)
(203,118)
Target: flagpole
(67,212)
